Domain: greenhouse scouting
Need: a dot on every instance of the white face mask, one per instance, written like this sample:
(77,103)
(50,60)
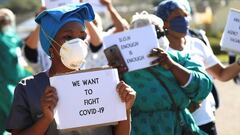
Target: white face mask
(73,53)
(163,43)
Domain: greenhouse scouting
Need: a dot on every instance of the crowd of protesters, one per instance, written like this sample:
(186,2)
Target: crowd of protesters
(174,96)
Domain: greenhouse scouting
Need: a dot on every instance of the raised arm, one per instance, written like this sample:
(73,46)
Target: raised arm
(116,17)
(33,38)
(94,33)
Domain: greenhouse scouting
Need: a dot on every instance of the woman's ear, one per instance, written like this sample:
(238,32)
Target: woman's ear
(166,25)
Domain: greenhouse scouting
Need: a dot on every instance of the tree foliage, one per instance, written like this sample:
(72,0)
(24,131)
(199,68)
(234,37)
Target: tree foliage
(22,6)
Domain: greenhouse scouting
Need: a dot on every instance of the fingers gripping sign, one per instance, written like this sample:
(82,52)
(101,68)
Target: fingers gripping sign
(48,102)
(163,58)
(127,94)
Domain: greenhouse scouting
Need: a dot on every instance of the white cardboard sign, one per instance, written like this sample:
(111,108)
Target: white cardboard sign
(230,40)
(135,45)
(57,3)
(87,99)
(97,5)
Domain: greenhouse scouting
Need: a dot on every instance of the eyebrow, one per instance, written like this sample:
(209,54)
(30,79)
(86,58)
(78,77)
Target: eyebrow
(71,30)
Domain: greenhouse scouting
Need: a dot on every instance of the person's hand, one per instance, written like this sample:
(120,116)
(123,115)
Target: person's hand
(106,2)
(127,94)
(163,58)
(40,10)
(48,102)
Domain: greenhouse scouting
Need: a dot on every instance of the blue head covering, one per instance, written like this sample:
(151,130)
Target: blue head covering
(52,20)
(166,7)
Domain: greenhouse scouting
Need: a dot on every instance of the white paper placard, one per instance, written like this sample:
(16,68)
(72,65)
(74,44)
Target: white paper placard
(57,3)
(230,40)
(87,99)
(97,5)
(135,45)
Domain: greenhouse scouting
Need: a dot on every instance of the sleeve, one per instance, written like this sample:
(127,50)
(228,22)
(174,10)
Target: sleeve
(30,54)
(35,58)
(95,49)
(20,116)
(207,54)
(200,84)
(189,80)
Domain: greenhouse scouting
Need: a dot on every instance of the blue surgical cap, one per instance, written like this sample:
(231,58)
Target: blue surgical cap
(52,20)
(164,10)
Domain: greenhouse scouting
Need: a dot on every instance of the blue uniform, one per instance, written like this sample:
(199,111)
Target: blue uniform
(26,108)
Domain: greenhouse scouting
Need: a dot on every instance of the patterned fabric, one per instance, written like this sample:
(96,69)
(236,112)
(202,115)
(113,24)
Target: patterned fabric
(152,113)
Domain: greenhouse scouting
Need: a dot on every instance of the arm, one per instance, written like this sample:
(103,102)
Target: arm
(30,50)
(48,102)
(200,83)
(39,128)
(123,127)
(116,18)
(222,73)
(192,77)
(32,39)
(95,34)
(127,95)
(31,44)
(181,74)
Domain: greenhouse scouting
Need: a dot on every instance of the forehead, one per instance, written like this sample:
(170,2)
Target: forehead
(71,27)
(177,13)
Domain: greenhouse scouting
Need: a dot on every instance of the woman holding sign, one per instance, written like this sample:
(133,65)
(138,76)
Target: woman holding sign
(61,35)
(176,21)
(165,89)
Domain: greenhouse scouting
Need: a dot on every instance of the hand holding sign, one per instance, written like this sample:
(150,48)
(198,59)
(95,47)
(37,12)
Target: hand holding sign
(127,94)
(163,58)
(48,102)
(134,46)
(90,98)
(40,10)
(231,36)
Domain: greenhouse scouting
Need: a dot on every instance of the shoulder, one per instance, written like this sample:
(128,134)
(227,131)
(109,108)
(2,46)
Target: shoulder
(30,79)
(32,84)
(196,43)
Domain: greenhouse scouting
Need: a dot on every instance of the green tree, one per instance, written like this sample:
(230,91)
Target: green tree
(156,2)
(22,6)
